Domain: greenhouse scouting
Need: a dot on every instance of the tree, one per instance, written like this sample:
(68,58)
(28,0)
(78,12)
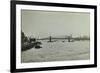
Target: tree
(23,38)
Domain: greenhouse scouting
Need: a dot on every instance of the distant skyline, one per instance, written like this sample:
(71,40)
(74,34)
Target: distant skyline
(50,23)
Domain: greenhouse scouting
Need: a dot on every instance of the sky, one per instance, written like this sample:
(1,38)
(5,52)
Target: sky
(54,23)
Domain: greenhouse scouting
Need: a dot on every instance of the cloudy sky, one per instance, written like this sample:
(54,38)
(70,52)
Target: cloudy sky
(52,23)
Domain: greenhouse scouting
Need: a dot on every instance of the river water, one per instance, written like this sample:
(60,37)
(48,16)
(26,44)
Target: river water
(57,51)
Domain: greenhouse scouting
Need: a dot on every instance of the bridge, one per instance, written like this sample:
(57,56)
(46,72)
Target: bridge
(51,39)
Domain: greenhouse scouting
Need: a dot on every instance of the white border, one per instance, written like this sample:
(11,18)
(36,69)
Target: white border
(51,64)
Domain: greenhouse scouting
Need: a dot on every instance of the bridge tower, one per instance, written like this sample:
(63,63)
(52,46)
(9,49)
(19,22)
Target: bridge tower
(50,39)
(69,38)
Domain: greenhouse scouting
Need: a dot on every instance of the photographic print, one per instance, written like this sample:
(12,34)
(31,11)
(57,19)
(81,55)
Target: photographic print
(52,36)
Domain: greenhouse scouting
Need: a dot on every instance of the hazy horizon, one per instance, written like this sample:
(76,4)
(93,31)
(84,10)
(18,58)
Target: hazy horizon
(50,23)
